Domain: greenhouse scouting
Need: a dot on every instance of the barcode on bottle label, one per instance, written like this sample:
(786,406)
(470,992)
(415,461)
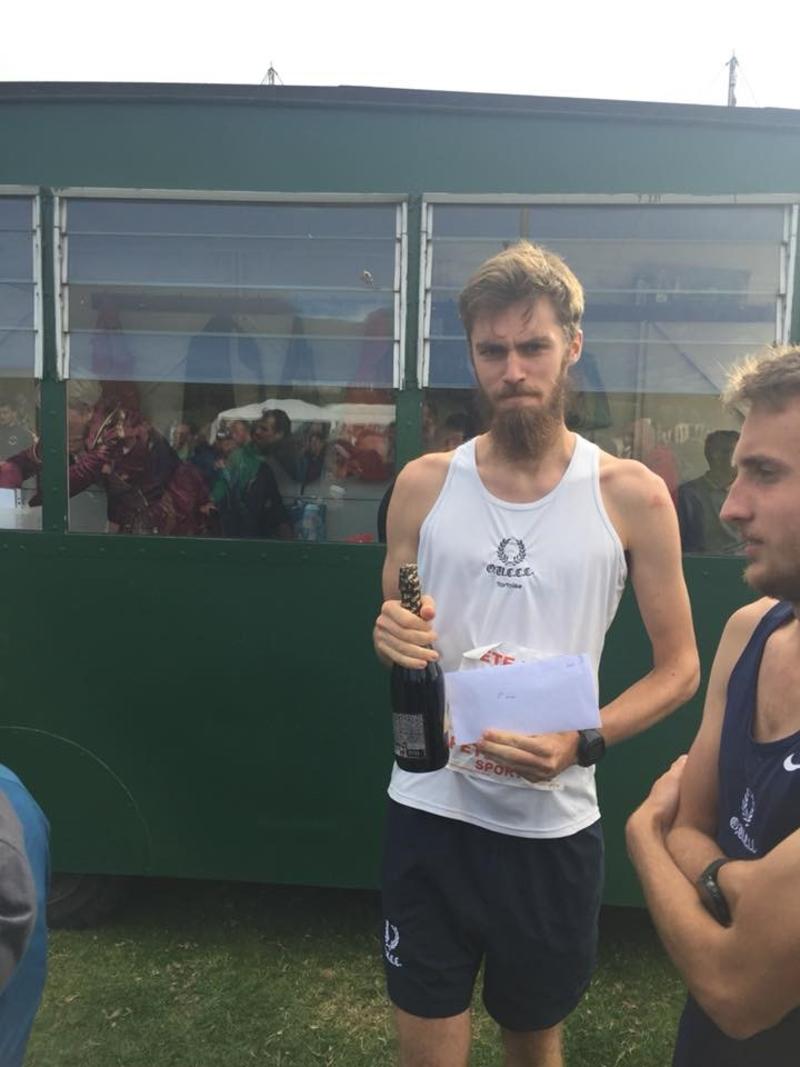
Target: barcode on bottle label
(409,736)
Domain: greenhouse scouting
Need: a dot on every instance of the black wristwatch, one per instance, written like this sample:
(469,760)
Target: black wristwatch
(710,893)
(591,747)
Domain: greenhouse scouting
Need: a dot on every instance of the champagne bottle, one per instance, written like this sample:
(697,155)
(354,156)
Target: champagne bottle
(418,702)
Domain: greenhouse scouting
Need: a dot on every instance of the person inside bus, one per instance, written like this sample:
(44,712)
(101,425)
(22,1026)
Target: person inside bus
(641,442)
(430,423)
(700,500)
(148,488)
(717,842)
(272,436)
(245,493)
(311,462)
(240,433)
(182,437)
(454,431)
(24,875)
(14,435)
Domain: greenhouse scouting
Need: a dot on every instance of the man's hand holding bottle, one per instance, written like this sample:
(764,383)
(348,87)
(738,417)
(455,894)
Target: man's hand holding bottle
(404,638)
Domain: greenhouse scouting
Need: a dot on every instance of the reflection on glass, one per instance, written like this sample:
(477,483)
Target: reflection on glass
(17,418)
(17,334)
(281,468)
(268,343)
(115,447)
(670,434)
(260,344)
(312,221)
(19,454)
(332,460)
(448,420)
(700,500)
(675,296)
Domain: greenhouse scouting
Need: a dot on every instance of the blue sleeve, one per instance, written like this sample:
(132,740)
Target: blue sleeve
(17,893)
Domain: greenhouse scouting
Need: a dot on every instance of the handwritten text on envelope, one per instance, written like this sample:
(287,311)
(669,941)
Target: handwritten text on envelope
(547,695)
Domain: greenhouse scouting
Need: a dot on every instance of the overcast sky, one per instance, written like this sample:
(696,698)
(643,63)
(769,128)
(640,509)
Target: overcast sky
(669,51)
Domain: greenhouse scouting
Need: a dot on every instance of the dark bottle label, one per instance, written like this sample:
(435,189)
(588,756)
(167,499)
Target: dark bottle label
(418,700)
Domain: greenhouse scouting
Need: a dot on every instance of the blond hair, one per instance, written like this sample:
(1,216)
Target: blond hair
(521,274)
(770,378)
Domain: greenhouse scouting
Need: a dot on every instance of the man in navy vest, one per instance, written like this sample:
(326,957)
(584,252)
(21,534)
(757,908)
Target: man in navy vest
(717,842)
(23,918)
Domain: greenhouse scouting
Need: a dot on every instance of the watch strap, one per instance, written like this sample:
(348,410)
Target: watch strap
(710,893)
(591,747)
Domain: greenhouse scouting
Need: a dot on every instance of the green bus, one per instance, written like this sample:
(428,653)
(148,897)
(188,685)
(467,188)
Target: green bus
(191,274)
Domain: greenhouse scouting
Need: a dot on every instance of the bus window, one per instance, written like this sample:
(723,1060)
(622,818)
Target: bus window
(20,360)
(675,295)
(232,366)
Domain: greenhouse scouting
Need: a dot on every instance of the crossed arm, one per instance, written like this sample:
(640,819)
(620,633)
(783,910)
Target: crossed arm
(746,976)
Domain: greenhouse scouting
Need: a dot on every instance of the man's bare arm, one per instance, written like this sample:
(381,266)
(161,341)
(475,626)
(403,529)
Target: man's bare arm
(762,958)
(691,840)
(746,976)
(398,635)
(640,506)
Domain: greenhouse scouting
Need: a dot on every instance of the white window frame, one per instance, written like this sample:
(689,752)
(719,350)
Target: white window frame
(61,246)
(788,249)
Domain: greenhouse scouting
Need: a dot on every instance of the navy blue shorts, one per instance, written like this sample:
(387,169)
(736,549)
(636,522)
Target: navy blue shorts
(456,895)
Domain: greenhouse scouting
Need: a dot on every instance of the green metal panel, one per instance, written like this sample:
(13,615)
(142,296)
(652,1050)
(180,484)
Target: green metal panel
(228,689)
(229,694)
(266,144)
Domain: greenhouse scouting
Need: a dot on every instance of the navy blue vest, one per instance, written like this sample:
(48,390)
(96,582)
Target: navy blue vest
(758,805)
(20,998)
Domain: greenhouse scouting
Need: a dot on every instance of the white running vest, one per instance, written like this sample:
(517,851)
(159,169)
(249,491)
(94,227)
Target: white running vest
(545,576)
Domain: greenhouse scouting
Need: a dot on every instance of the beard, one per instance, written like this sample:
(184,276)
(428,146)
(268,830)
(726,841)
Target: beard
(781,584)
(527,433)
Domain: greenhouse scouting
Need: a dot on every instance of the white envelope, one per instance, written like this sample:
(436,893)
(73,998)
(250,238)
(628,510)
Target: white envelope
(540,697)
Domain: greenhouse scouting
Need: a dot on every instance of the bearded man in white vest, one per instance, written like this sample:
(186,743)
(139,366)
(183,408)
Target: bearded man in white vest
(524,538)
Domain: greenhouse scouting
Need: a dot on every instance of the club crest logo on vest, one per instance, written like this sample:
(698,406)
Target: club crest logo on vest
(748,806)
(511,551)
(512,554)
(740,826)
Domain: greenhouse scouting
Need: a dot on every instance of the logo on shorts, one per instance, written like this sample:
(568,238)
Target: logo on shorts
(391,939)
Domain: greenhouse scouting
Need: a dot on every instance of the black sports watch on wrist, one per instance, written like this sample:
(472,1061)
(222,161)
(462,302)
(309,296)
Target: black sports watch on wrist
(710,893)
(591,747)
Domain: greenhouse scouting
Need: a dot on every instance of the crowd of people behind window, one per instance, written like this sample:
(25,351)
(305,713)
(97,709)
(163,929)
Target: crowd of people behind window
(248,478)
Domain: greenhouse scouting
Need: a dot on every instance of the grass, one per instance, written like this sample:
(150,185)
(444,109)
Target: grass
(201,974)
